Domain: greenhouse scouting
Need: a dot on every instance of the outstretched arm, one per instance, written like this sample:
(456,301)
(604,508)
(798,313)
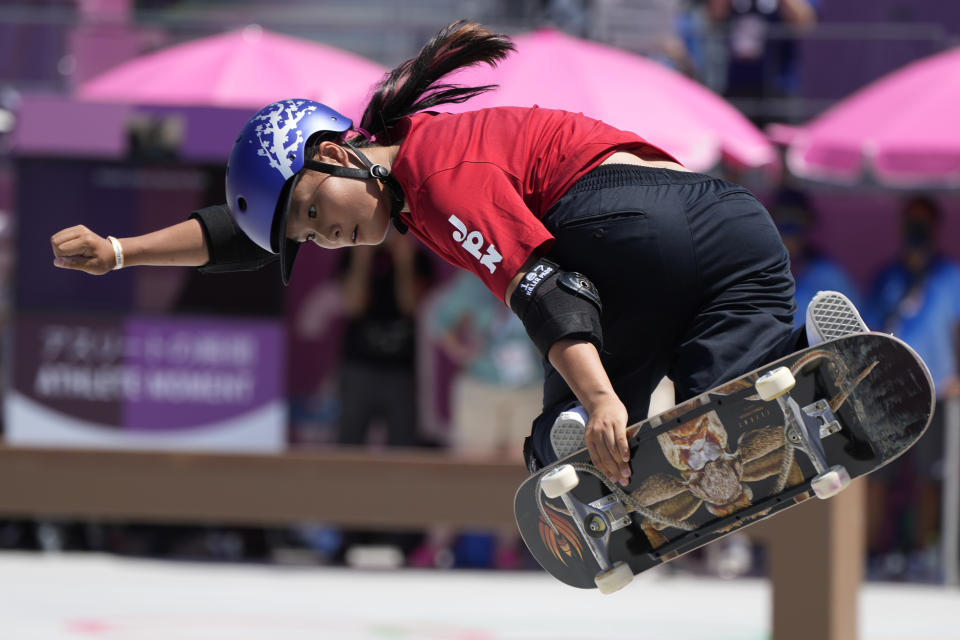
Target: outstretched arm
(79,248)
(210,239)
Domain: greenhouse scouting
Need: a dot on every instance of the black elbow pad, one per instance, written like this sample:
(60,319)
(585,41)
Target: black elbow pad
(554,304)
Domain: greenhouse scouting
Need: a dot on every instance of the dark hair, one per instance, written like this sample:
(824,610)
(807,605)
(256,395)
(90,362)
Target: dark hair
(414,85)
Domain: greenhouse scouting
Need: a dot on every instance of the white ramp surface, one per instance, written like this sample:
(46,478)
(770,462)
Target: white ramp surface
(89,597)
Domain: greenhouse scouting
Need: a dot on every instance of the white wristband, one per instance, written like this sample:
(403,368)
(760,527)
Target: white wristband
(118,251)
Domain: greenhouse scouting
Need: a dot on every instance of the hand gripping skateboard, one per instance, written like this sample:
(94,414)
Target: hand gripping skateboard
(804,425)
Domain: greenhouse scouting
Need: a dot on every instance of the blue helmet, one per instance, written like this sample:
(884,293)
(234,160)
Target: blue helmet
(267,154)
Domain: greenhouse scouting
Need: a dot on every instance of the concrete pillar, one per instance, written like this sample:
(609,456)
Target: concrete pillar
(816,553)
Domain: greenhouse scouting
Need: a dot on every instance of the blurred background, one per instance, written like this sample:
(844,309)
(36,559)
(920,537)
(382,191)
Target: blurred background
(119,114)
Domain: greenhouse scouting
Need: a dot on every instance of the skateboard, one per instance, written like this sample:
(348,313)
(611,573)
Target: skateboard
(799,427)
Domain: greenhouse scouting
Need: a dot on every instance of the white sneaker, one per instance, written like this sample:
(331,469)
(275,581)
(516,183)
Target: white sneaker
(566,434)
(831,315)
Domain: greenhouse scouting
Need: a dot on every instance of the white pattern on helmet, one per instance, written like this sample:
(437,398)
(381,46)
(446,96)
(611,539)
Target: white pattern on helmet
(274,131)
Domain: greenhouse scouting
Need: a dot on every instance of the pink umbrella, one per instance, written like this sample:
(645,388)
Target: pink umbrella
(552,69)
(901,130)
(247,68)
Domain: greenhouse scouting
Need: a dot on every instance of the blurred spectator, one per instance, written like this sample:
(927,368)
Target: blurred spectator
(813,270)
(917,298)
(651,28)
(496,392)
(704,44)
(762,56)
(382,287)
(571,16)
(495,396)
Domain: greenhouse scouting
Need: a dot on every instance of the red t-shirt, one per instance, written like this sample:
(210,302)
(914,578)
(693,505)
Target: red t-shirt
(478,183)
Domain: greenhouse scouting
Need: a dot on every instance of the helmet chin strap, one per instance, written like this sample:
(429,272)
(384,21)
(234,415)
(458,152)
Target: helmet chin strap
(377,171)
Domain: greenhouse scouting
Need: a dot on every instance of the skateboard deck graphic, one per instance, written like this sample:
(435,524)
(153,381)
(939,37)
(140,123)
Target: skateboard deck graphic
(728,458)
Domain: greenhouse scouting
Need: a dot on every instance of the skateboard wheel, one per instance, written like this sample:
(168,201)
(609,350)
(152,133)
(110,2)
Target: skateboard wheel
(830,483)
(559,481)
(774,384)
(615,578)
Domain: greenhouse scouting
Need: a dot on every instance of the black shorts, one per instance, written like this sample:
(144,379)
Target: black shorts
(693,276)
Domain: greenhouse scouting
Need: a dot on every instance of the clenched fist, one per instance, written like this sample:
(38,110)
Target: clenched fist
(81,249)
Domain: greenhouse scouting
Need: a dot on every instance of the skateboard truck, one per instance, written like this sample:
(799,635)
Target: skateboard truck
(595,522)
(803,428)
(821,412)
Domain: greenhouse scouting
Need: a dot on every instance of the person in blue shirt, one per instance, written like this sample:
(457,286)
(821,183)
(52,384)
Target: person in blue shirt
(917,298)
(812,269)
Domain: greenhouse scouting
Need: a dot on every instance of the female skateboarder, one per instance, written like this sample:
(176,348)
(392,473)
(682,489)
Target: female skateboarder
(623,265)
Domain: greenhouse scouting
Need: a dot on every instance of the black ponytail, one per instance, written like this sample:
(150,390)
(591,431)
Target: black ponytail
(413,86)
